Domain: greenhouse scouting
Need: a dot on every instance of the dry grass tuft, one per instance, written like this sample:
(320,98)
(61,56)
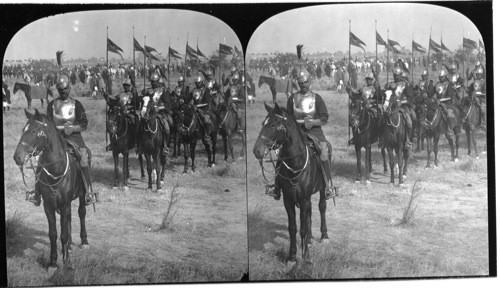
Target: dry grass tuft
(411,206)
(474,165)
(168,216)
(13,225)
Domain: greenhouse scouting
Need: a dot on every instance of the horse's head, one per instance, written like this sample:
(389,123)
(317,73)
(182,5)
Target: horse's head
(355,109)
(33,139)
(114,112)
(273,132)
(16,88)
(261,81)
(389,101)
(147,110)
(185,116)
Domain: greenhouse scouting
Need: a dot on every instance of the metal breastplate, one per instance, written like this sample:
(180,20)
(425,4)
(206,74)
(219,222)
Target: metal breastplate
(64,112)
(422,85)
(156,96)
(233,92)
(304,105)
(368,92)
(198,95)
(400,87)
(125,98)
(441,89)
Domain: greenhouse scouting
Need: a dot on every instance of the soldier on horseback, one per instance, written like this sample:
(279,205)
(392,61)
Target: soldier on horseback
(311,113)
(184,90)
(235,97)
(445,95)
(158,95)
(477,90)
(201,100)
(69,116)
(424,86)
(403,96)
(472,74)
(228,80)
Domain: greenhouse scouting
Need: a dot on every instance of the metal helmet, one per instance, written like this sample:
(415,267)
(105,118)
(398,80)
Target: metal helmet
(178,91)
(154,77)
(479,70)
(127,82)
(233,70)
(209,73)
(404,75)
(236,77)
(478,63)
(369,75)
(181,79)
(303,75)
(211,84)
(397,71)
(425,72)
(198,79)
(454,78)
(443,73)
(62,82)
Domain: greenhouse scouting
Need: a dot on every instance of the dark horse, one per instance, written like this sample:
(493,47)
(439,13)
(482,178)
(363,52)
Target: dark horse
(190,128)
(227,129)
(434,123)
(278,85)
(151,141)
(363,122)
(394,135)
(298,173)
(57,178)
(122,131)
(33,92)
(471,121)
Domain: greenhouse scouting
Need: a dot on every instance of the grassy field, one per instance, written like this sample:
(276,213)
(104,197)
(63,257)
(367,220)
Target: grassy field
(205,239)
(374,231)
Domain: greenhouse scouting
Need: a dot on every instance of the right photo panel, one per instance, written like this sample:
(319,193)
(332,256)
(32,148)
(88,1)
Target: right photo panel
(366,141)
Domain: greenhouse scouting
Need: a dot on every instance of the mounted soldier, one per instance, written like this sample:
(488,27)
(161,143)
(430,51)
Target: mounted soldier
(472,74)
(310,112)
(477,90)
(370,93)
(184,89)
(445,96)
(159,96)
(228,80)
(70,119)
(424,87)
(200,99)
(404,97)
(235,96)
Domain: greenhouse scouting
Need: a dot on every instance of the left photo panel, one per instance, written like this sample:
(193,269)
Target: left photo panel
(124,150)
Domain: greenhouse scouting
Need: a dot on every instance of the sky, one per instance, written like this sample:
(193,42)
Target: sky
(83,34)
(326,27)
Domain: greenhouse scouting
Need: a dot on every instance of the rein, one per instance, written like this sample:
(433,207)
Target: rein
(367,125)
(126,129)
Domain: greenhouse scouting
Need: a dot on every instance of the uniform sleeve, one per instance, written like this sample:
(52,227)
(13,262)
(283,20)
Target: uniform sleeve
(321,110)
(81,116)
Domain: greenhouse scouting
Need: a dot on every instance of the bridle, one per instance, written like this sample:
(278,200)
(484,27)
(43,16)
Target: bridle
(274,143)
(115,123)
(356,118)
(34,152)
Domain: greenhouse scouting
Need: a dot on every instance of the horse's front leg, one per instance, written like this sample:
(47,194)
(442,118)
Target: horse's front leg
(224,143)
(357,148)
(150,171)
(82,212)
(156,166)
(399,156)
(428,150)
(208,149)
(474,142)
(322,212)
(436,145)
(382,151)
(192,148)
(391,163)
(214,146)
(65,215)
(368,162)
(305,210)
(186,155)
(452,145)
(116,160)
(143,176)
(457,142)
(51,217)
(292,228)
(126,172)
(468,136)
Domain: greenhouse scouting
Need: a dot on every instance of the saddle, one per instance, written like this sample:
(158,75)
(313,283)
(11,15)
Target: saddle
(74,150)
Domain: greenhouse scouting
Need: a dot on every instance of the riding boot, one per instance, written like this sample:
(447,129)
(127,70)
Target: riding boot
(34,198)
(409,132)
(90,196)
(240,122)
(166,139)
(379,129)
(328,179)
(138,150)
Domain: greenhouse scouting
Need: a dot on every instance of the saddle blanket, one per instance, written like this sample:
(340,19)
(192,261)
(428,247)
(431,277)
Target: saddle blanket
(38,92)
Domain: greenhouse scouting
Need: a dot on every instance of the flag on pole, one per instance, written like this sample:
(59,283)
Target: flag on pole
(444,47)
(173,53)
(417,47)
(150,49)
(355,41)
(471,44)
(393,43)
(396,51)
(380,41)
(137,46)
(191,53)
(112,47)
(200,53)
(238,52)
(224,49)
(434,46)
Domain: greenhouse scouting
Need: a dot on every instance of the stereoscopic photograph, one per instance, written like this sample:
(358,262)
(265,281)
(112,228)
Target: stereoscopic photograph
(247,142)
(367,144)
(131,126)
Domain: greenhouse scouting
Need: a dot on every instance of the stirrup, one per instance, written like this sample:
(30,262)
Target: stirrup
(166,151)
(329,193)
(32,197)
(408,145)
(89,200)
(108,148)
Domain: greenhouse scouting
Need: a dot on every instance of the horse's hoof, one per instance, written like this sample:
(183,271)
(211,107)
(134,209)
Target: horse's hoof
(149,190)
(125,188)
(52,269)
(325,241)
(143,178)
(85,246)
(162,182)
(115,187)
(404,176)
